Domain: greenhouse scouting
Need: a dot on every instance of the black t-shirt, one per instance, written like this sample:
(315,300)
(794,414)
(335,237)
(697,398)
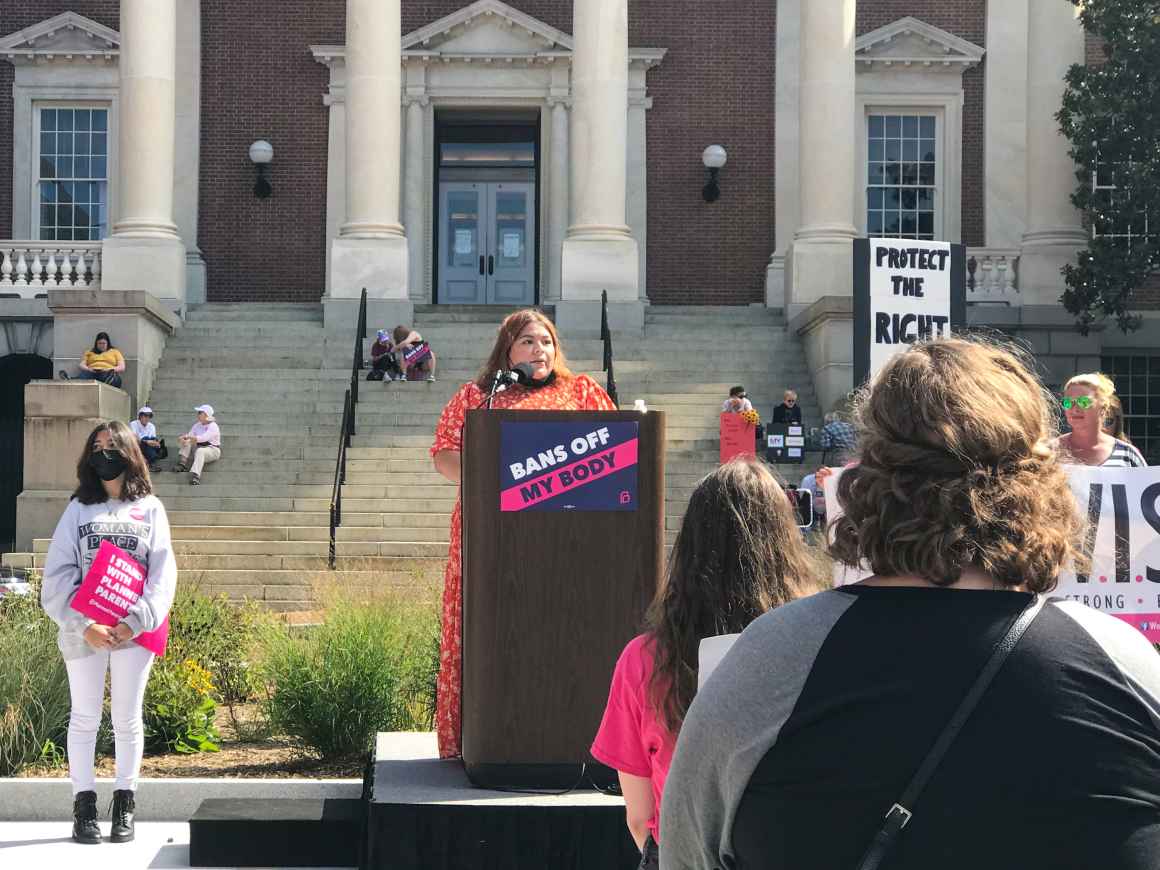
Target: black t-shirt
(785,414)
(1058,767)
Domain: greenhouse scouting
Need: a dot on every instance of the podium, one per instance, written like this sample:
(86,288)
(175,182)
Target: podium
(561,558)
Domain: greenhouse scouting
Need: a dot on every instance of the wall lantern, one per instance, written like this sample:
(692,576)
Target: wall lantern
(714,158)
(261,155)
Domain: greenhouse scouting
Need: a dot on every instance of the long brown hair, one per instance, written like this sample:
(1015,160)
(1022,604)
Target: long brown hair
(738,554)
(942,487)
(136,484)
(506,336)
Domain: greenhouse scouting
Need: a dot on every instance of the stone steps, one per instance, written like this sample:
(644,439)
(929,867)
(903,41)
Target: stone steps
(258,526)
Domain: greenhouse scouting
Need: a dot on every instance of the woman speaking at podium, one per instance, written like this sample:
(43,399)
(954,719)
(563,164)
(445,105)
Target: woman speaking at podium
(529,337)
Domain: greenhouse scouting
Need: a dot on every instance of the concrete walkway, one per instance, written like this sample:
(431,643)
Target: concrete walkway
(48,845)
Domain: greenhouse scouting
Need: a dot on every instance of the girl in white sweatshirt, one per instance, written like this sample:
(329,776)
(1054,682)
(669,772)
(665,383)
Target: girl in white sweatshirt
(113,501)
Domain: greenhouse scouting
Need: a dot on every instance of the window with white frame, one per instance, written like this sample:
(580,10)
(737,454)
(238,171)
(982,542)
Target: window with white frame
(902,172)
(1108,197)
(72,187)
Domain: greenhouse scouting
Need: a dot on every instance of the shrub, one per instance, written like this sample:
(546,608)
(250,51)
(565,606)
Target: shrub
(220,636)
(34,696)
(208,659)
(370,667)
(179,708)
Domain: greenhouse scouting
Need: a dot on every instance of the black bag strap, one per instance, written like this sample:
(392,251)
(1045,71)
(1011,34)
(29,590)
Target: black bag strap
(899,815)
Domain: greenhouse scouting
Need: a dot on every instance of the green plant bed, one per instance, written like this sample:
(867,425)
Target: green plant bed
(370,666)
(34,696)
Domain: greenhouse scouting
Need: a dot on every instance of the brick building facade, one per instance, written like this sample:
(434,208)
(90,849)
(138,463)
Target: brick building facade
(716,84)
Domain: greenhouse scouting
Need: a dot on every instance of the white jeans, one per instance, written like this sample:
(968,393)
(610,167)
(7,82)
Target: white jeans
(201,456)
(86,680)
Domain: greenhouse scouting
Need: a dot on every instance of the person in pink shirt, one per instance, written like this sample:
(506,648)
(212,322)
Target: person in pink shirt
(200,445)
(738,554)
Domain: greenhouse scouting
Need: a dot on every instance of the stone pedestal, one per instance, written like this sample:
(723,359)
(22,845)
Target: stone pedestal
(58,417)
(826,329)
(157,267)
(137,322)
(379,265)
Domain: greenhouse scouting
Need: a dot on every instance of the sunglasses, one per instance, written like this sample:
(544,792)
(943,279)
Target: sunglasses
(1081,402)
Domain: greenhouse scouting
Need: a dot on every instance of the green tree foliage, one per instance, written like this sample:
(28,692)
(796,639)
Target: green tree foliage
(1111,116)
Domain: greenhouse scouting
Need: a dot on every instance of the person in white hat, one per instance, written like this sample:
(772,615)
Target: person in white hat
(146,434)
(200,445)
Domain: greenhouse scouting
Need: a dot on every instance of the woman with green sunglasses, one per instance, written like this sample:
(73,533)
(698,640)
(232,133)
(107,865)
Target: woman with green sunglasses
(1087,403)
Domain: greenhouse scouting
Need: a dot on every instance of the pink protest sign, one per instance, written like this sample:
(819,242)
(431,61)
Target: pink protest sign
(112,586)
(738,437)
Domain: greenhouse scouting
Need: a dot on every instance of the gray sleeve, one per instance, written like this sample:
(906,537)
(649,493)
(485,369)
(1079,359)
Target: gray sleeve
(1128,649)
(62,573)
(733,722)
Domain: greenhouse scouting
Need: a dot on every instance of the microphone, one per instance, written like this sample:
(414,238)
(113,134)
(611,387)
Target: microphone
(519,374)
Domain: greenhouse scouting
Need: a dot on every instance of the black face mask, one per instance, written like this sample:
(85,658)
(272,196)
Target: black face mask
(108,465)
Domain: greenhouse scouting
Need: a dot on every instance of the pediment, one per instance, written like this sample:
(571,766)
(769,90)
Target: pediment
(489,31)
(487,27)
(911,42)
(66,37)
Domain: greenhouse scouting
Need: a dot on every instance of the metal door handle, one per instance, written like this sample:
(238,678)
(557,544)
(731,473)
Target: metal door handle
(490,264)
(481,264)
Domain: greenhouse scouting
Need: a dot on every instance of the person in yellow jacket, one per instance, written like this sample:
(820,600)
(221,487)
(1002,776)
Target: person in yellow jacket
(103,363)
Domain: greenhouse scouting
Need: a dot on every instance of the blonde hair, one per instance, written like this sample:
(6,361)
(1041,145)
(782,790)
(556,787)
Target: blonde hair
(941,488)
(1103,385)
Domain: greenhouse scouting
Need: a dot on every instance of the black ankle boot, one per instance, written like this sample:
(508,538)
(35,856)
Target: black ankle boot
(122,813)
(85,828)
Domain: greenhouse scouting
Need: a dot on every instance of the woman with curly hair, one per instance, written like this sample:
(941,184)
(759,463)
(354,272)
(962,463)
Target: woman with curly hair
(808,732)
(738,554)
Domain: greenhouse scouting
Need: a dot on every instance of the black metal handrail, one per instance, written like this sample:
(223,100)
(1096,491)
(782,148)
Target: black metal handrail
(347,429)
(339,477)
(606,337)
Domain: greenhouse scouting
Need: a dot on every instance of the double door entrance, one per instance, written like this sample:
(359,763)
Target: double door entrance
(487,246)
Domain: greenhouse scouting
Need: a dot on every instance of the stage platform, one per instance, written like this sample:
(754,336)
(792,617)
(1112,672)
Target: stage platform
(423,814)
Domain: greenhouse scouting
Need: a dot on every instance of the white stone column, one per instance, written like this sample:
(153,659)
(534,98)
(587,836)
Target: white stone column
(415,193)
(145,251)
(822,248)
(371,250)
(558,193)
(787,199)
(1054,226)
(599,252)
(1005,113)
(187,151)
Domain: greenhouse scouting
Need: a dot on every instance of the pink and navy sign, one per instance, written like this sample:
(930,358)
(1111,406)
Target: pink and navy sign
(568,466)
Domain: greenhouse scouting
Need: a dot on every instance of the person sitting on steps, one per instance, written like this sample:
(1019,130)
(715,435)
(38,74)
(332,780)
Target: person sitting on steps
(146,433)
(414,354)
(202,444)
(383,360)
(103,363)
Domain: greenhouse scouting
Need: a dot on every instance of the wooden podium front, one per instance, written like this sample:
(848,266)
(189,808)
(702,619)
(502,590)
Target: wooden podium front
(550,598)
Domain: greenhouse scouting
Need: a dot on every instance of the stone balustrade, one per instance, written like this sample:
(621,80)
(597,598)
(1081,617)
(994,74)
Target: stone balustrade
(993,276)
(31,269)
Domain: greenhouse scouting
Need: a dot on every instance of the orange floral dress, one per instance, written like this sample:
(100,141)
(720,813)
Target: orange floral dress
(580,393)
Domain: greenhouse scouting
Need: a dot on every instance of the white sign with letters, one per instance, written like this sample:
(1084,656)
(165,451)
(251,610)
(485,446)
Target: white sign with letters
(910,295)
(1122,509)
